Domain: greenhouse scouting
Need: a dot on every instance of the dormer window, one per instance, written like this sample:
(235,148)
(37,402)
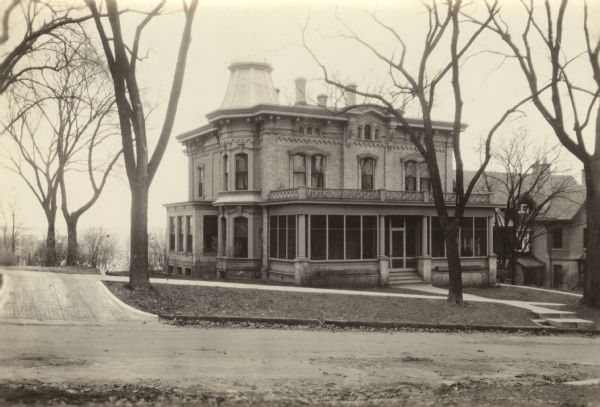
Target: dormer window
(299,170)
(241,172)
(368,135)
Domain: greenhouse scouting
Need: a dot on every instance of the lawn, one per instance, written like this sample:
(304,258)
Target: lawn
(217,301)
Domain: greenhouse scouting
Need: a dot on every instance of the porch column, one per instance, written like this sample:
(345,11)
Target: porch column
(491,256)
(177,232)
(301,264)
(264,270)
(424,259)
(384,272)
(220,234)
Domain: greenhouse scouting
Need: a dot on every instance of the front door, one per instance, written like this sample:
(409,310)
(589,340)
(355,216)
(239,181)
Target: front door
(397,246)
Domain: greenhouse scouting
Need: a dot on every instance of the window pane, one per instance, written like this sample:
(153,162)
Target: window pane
(411,237)
(210,234)
(318,171)
(282,237)
(225,173)
(369,226)
(353,237)
(466,237)
(240,237)
(438,248)
(336,237)
(241,171)
(557,242)
(291,251)
(317,237)
(480,236)
(273,236)
(367,169)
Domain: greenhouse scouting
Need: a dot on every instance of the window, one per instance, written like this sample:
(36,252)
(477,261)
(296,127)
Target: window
(240,237)
(189,242)
(188,271)
(438,244)
(282,237)
(317,171)
(241,172)
(317,131)
(353,250)
(523,209)
(526,241)
(359,132)
(299,170)
(210,234)
(368,135)
(223,236)
(367,169)
(309,131)
(225,173)
(377,133)
(369,241)
(200,182)
(170,269)
(335,239)
(180,234)
(172,233)
(318,232)
(425,179)
(557,240)
(410,176)
(480,236)
(301,130)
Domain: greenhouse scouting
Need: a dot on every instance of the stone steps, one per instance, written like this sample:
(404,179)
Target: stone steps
(562,319)
(400,278)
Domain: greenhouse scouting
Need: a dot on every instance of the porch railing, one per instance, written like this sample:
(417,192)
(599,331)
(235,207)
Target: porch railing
(369,195)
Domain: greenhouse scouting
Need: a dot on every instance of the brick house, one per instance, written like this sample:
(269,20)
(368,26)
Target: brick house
(307,194)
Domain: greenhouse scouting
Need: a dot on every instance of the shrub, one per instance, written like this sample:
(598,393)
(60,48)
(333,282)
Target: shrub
(98,250)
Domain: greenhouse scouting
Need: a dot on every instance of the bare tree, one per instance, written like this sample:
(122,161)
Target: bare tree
(157,250)
(99,250)
(568,108)
(37,24)
(56,118)
(11,225)
(140,164)
(419,87)
(529,182)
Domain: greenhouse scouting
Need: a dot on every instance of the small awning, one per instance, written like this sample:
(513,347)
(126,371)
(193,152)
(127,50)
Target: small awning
(529,261)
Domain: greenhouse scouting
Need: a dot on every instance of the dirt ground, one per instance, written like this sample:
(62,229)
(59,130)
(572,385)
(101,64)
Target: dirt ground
(159,365)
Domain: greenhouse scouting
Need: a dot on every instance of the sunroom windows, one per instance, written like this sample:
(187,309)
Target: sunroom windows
(339,237)
(472,237)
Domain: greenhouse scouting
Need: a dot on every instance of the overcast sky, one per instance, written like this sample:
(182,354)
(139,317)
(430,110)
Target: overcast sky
(230,31)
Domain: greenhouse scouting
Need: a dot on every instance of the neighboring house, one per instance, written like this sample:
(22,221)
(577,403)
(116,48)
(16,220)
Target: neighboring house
(553,251)
(314,196)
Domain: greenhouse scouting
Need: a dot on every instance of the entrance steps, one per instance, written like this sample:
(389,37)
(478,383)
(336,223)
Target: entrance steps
(404,277)
(562,319)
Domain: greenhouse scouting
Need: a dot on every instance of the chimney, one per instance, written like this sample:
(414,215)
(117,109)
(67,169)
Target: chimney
(350,95)
(322,100)
(300,91)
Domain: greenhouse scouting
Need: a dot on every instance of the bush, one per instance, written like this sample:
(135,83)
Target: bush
(98,250)
(7,258)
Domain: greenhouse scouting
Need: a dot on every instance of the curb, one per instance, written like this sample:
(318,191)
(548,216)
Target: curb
(124,305)
(195,319)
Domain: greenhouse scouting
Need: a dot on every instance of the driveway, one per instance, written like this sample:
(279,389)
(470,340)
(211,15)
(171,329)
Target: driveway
(28,297)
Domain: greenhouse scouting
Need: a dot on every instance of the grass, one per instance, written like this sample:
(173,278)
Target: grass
(217,301)
(522,294)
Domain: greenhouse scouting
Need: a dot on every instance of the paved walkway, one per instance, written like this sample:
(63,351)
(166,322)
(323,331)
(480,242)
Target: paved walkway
(28,297)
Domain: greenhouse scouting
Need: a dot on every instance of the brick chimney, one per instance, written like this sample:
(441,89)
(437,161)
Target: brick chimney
(322,100)
(350,95)
(300,91)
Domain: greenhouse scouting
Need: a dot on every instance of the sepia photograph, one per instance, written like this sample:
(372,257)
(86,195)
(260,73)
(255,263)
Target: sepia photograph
(300,203)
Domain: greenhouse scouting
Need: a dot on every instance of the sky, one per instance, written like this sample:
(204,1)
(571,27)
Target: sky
(271,31)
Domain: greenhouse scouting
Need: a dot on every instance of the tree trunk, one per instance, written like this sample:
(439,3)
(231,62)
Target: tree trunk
(454,268)
(50,259)
(591,288)
(139,277)
(72,241)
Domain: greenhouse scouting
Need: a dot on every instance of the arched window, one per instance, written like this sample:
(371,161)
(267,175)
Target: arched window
(317,131)
(241,172)
(301,130)
(410,176)
(367,171)
(359,132)
(317,171)
(299,170)
(368,135)
(377,133)
(240,237)
(309,131)
(225,173)
(424,177)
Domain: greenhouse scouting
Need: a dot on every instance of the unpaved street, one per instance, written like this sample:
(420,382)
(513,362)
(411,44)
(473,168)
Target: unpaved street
(314,365)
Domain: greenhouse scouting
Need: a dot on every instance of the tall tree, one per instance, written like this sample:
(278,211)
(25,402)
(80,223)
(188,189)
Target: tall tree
(569,108)
(528,182)
(444,36)
(11,225)
(140,165)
